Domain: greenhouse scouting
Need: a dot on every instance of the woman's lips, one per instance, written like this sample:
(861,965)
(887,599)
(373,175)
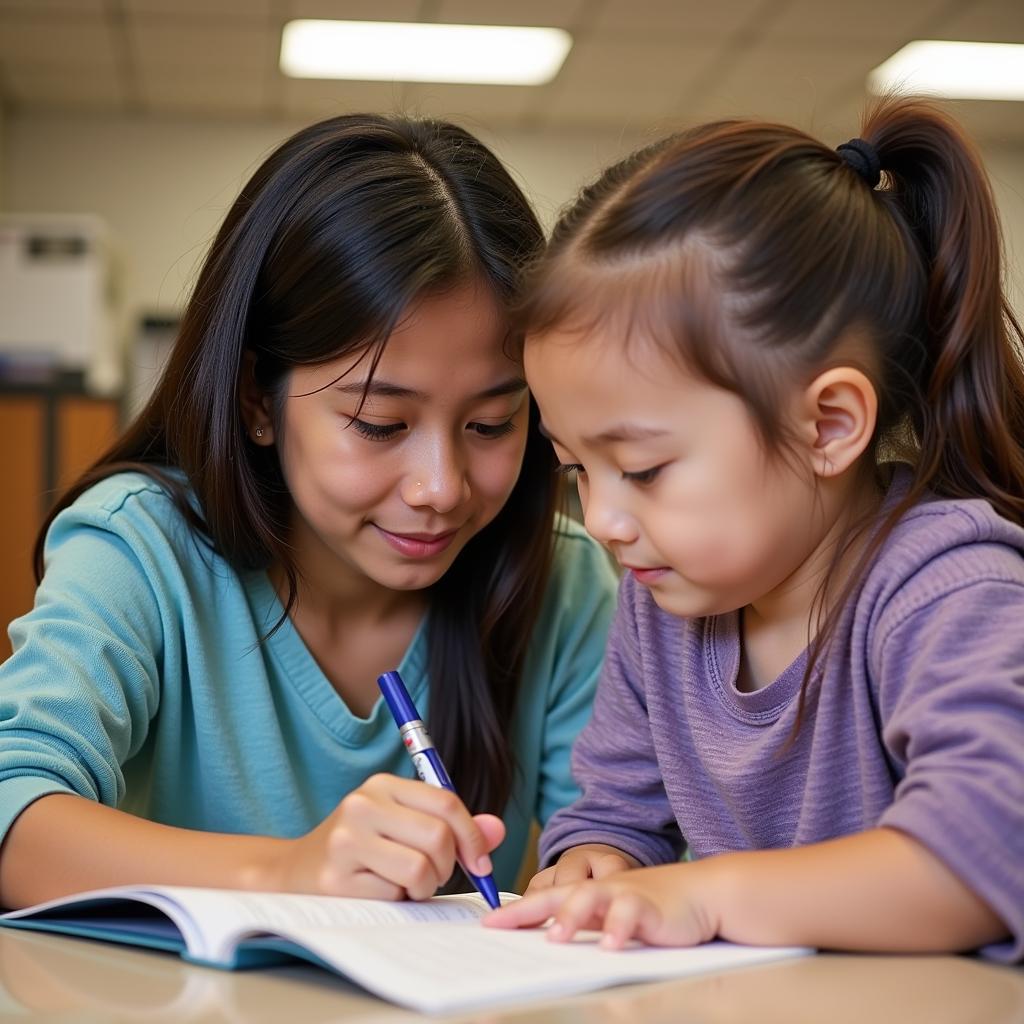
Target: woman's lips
(417,545)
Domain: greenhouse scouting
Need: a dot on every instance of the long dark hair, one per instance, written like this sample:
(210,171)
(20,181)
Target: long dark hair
(335,235)
(748,249)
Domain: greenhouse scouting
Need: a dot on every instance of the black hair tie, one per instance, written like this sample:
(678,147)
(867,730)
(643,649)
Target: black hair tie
(863,158)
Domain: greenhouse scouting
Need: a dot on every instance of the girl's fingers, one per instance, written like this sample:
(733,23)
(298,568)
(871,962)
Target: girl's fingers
(528,912)
(608,864)
(622,920)
(572,869)
(582,907)
(542,880)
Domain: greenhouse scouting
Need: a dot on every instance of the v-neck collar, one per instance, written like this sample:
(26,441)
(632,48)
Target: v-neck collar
(306,677)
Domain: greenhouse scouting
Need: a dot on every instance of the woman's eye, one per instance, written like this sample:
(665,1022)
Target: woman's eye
(493,430)
(376,431)
(566,468)
(642,476)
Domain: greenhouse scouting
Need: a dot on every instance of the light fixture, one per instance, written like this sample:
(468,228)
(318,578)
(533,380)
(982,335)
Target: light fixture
(395,51)
(970,71)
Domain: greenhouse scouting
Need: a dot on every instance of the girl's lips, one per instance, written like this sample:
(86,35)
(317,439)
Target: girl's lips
(417,545)
(648,576)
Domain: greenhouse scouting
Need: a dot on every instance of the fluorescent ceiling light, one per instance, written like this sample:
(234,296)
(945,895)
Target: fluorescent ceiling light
(395,51)
(969,71)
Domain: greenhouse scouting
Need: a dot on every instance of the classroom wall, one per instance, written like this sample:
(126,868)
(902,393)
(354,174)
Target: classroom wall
(163,186)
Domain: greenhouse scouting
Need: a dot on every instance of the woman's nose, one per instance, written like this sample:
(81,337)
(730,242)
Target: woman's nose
(439,481)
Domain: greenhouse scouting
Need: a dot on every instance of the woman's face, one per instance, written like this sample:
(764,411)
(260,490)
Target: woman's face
(392,491)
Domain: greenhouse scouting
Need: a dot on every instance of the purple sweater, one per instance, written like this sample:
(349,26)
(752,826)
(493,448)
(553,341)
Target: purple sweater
(915,721)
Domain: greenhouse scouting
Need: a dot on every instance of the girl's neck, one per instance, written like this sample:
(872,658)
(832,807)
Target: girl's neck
(777,627)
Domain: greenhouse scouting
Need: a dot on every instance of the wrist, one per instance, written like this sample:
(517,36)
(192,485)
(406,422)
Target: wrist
(721,888)
(602,848)
(263,867)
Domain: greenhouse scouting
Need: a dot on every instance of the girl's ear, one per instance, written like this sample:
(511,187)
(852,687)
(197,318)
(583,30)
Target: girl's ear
(256,406)
(839,413)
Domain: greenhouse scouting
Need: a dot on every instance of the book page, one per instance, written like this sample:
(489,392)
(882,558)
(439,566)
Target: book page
(223,914)
(446,968)
(211,919)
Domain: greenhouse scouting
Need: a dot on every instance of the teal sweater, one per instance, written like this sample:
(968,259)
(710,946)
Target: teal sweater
(139,680)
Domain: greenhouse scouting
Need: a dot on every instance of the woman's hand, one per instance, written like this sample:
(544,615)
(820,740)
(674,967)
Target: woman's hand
(389,839)
(672,905)
(589,860)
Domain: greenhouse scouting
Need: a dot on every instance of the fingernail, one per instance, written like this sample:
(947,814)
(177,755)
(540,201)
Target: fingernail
(557,931)
(608,941)
(483,865)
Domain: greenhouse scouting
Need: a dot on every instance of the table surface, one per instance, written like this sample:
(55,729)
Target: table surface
(76,980)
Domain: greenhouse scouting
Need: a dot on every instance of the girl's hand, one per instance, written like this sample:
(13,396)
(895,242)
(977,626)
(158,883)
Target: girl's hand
(389,839)
(672,905)
(589,860)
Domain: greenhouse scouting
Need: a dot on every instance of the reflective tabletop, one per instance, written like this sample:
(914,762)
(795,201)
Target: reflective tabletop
(67,979)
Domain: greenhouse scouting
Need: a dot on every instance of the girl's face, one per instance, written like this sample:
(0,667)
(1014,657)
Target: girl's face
(673,478)
(393,491)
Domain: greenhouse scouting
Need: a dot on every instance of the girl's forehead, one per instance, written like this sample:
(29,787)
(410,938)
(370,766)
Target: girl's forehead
(604,351)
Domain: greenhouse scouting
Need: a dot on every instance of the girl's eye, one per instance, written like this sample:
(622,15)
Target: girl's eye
(376,431)
(566,468)
(492,431)
(643,476)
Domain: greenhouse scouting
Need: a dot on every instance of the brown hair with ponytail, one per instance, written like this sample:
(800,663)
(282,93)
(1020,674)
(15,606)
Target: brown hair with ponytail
(748,250)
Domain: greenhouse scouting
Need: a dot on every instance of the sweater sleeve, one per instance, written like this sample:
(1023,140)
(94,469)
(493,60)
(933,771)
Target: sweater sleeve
(623,802)
(79,691)
(951,701)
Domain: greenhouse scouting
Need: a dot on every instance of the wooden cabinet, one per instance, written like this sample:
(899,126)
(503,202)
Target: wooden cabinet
(47,438)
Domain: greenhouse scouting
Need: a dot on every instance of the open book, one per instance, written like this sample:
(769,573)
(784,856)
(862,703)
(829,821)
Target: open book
(433,956)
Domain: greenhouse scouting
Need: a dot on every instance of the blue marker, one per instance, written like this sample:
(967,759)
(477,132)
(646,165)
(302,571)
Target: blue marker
(426,759)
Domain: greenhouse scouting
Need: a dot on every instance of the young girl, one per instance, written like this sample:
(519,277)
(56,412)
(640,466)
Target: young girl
(788,381)
(339,474)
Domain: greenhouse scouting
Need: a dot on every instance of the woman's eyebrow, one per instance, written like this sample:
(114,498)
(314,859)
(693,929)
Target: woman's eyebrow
(385,389)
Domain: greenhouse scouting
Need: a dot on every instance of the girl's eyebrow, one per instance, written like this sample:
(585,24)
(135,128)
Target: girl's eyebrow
(620,432)
(385,389)
(625,432)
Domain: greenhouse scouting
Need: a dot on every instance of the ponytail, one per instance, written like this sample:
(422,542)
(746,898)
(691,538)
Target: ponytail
(969,421)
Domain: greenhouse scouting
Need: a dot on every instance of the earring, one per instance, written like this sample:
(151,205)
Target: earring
(259,431)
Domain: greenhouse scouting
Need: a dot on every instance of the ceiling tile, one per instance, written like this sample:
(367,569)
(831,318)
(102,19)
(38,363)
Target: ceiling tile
(205,93)
(560,13)
(622,86)
(988,21)
(795,84)
(354,10)
(60,40)
(42,7)
(313,98)
(887,20)
(191,44)
(50,88)
(242,9)
(478,104)
(681,18)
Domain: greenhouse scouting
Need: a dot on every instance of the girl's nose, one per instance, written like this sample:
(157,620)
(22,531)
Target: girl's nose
(606,521)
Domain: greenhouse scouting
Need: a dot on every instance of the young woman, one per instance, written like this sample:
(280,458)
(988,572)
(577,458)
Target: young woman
(340,473)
